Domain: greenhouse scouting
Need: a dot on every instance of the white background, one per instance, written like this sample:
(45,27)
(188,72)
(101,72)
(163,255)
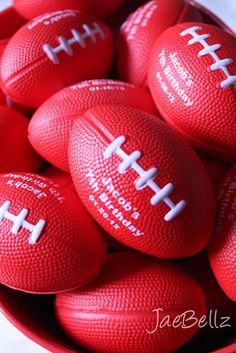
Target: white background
(11,340)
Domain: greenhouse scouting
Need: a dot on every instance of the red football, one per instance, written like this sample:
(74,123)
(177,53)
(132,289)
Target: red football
(139,32)
(65,180)
(50,126)
(2,97)
(17,153)
(48,241)
(192,77)
(60,177)
(216,171)
(137,304)
(141,181)
(3,43)
(10,21)
(117,18)
(222,249)
(58,49)
(219,306)
(27,111)
(32,8)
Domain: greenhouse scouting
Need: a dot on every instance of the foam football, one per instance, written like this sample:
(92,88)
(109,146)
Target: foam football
(141,29)
(48,242)
(100,8)
(3,43)
(59,48)
(60,177)
(192,77)
(222,249)
(10,20)
(2,98)
(49,129)
(17,153)
(221,311)
(141,181)
(128,307)
(216,171)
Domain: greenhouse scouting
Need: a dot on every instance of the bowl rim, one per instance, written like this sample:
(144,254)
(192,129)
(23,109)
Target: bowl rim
(45,343)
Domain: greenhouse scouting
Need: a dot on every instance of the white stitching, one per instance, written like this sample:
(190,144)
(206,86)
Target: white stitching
(19,221)
(220,64)
(65,44)
(146,178)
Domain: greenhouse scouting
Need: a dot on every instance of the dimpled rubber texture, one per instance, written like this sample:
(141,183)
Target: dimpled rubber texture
(30,76)
(114,312)
(50,126)
(112,197)
(188,92)
(17,153)
(141,29)
(69,250)
(100,8)
(3,43)
(222,248)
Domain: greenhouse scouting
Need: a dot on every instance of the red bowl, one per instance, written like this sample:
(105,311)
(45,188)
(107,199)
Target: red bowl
(34,316)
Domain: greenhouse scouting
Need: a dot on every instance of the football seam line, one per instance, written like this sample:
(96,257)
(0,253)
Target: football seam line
(15,77)
(129,312)
(55,118)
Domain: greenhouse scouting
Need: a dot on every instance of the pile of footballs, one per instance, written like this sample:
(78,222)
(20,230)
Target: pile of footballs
(118,183)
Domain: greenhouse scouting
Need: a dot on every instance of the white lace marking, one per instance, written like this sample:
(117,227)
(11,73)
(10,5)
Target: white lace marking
(129,161)
(80,38)
(220,64)
(19,221)
(146,178)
